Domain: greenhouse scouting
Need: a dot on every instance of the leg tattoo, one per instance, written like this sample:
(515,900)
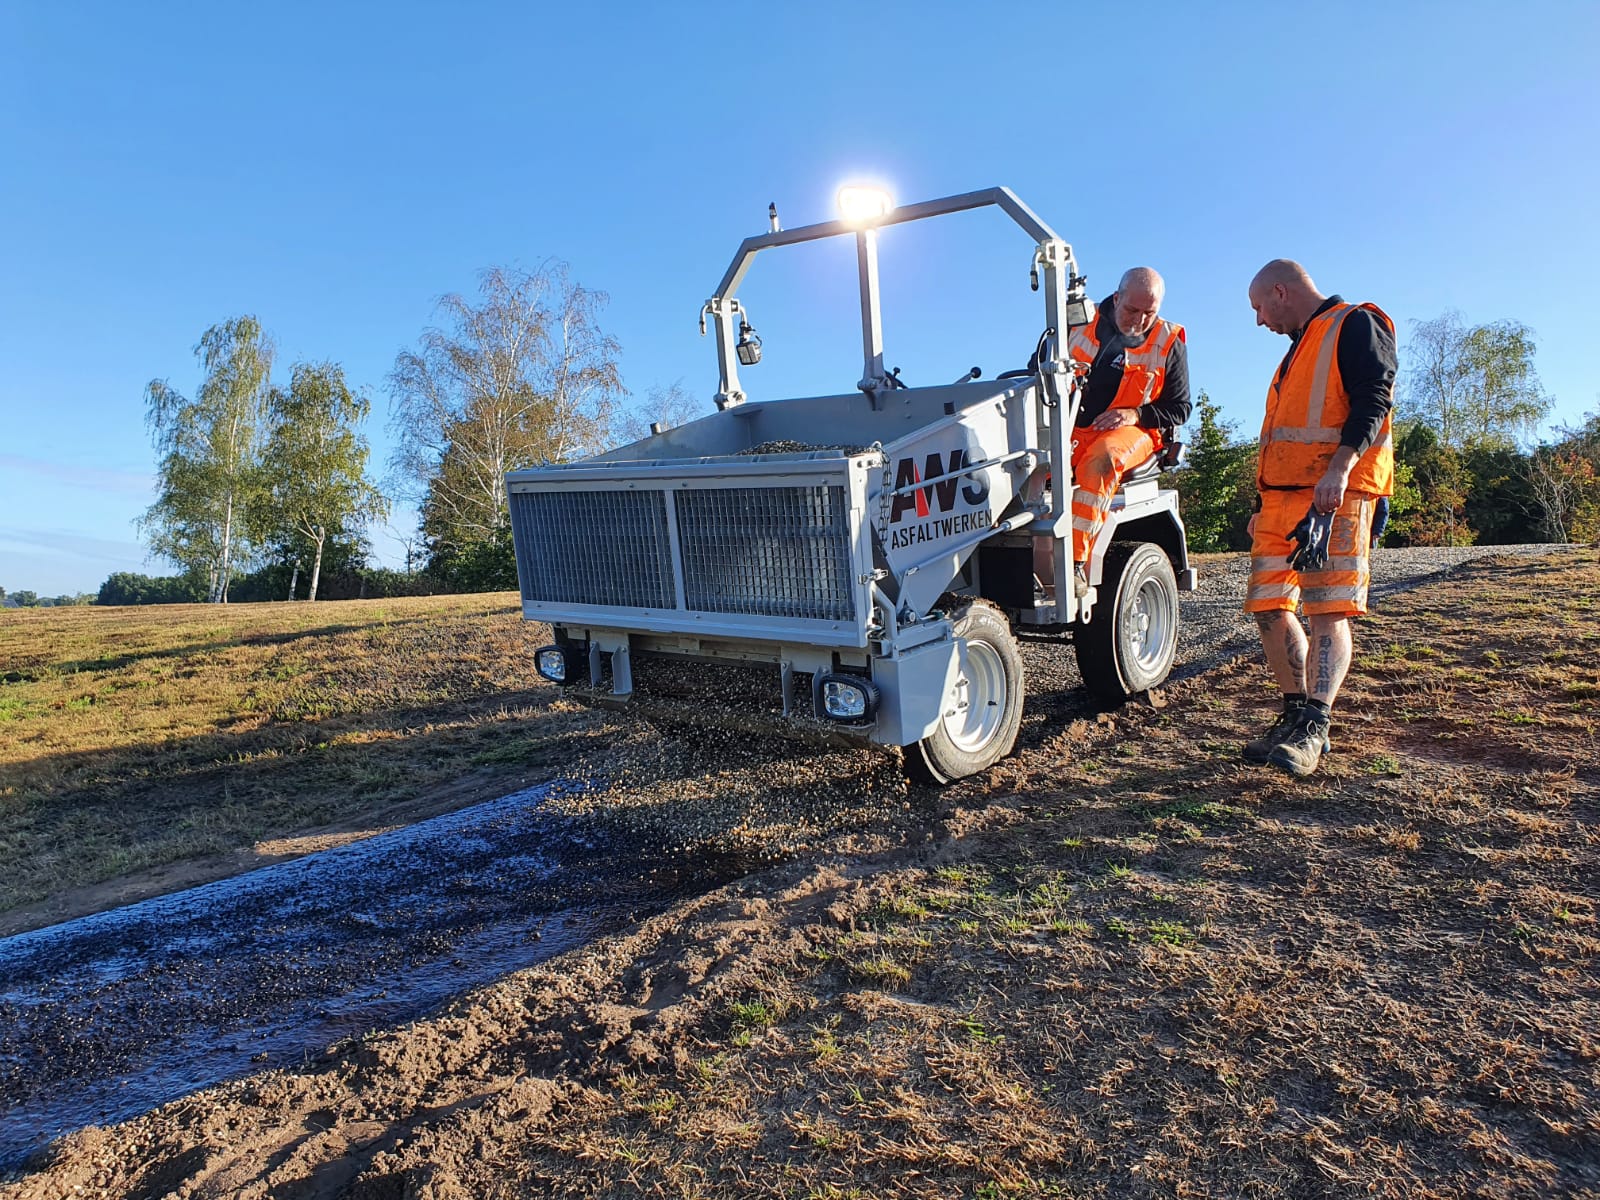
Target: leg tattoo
(1285,644)
(1324,664)
(1334,648)
(1297,651)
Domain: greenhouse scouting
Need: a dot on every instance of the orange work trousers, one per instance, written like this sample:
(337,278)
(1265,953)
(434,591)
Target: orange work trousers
(1100,458)
(1341,589)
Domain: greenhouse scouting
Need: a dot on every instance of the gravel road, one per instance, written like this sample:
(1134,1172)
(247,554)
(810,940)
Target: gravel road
(1214,630)
(108,1016)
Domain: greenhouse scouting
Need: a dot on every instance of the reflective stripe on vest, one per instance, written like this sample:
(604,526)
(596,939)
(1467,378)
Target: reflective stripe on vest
(1314,431)
(1144,367)
(1297,444)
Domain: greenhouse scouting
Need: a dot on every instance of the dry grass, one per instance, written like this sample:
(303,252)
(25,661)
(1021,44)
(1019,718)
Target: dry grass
(135,737)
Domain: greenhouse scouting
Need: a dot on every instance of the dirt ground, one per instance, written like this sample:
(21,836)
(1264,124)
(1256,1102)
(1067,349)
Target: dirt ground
(1122,964)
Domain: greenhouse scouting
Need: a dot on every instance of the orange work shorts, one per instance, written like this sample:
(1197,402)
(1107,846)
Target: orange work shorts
(1341,589)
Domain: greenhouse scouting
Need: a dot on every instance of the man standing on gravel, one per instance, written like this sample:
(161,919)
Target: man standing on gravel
(1325,446)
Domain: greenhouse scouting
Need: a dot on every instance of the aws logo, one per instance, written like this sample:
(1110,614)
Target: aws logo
(942,492)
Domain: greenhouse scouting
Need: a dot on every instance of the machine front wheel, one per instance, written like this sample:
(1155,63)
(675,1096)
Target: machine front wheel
(1131,639)
(983,708)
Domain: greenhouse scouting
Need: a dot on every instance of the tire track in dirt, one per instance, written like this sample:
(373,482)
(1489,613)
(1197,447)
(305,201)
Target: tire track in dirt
(110,1015)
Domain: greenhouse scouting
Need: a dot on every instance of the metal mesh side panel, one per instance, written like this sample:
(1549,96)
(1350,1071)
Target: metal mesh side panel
(593,547)
(767,551)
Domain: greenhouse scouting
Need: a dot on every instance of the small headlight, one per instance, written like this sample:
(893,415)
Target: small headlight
(551,662)
(844,701)
(847,699)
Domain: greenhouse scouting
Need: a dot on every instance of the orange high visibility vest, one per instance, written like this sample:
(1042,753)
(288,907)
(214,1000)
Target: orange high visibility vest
(1144,367)
(1306,411)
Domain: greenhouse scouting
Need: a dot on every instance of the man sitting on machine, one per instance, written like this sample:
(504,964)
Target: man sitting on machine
(1135,397)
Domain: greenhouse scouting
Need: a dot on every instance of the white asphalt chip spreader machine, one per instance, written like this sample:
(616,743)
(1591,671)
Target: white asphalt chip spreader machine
(876,549)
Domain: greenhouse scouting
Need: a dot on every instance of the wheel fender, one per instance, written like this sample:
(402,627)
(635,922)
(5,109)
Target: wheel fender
(912,687)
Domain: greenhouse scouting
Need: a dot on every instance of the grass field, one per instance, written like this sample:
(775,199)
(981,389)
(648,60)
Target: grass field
(132,738)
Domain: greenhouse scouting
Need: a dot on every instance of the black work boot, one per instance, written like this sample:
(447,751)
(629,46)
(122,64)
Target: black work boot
(1302,750)
(1261,749)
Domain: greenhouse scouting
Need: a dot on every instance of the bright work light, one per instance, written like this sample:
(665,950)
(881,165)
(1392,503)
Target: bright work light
(863,205)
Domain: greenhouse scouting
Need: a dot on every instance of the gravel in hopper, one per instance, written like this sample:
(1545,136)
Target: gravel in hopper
(782,446)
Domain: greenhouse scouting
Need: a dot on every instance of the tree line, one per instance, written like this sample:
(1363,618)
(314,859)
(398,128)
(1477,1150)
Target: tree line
(262,484)
(263,488)
(28,599)
(1467,405)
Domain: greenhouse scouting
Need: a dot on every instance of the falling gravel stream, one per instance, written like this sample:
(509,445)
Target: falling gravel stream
(108,1016)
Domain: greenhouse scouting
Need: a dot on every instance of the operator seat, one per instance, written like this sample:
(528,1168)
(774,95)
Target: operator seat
(1171,457)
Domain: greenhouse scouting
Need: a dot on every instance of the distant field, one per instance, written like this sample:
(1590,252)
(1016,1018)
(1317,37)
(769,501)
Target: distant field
(136,737)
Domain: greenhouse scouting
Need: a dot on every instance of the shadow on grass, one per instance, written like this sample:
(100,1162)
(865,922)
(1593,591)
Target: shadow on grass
(118,662)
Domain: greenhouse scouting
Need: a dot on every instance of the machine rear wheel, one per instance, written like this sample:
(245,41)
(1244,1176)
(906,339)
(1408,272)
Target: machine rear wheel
(1132,636)
(982,711)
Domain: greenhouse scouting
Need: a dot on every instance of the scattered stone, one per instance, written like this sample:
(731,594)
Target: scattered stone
(781,446)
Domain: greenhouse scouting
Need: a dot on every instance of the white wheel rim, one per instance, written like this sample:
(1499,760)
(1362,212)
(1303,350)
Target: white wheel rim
(976,705)
(1148,627)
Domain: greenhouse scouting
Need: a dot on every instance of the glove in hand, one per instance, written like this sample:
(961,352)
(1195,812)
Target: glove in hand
(1311,538)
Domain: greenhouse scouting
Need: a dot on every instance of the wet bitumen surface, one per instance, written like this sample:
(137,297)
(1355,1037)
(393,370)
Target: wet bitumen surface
(109,1016)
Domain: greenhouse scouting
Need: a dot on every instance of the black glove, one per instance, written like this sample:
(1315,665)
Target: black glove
(1311,536)
(1380,518)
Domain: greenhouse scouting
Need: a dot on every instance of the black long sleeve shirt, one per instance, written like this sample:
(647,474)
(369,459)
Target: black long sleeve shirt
(1168,409)
(1367,365)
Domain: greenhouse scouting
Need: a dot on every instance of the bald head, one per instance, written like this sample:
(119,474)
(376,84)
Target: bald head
(1138,300)
(1285,271)
(1284,296)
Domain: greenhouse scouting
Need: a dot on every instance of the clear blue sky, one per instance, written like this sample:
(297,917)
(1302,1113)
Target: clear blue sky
(335,168)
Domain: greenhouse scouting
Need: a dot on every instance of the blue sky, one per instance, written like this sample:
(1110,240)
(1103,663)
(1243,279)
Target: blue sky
(335,168)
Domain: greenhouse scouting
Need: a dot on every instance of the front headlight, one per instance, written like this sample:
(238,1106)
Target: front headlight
(847,699)
(551,662)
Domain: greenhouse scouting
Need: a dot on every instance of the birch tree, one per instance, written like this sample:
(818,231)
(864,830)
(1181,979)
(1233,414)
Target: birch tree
(520,376)
(209,474)
(1474,386)
(667,407)
(315,461)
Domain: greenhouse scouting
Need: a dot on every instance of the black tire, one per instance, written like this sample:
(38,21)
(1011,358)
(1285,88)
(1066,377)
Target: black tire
(973,736)
(1131,639)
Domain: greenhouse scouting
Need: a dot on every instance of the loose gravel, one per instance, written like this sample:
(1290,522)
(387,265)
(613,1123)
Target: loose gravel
(1214,630)
(785,446)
